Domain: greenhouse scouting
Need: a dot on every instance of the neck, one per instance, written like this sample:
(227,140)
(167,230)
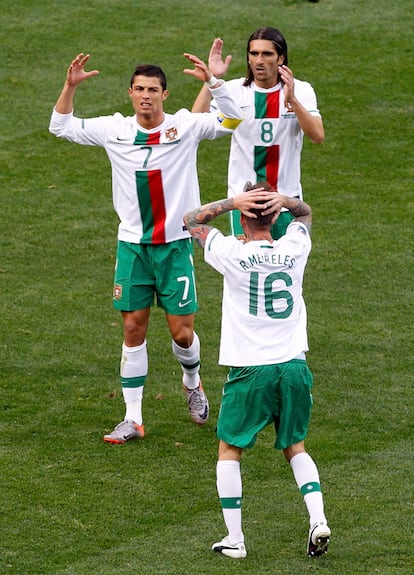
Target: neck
(266,85)
(258,236)
(150,121)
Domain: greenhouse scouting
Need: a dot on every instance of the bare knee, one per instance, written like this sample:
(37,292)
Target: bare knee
(294,449)
(182,329)
(135,327)
(228,452)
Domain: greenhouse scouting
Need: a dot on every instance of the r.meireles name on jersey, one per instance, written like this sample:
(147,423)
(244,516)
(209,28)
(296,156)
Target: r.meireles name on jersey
(268,259)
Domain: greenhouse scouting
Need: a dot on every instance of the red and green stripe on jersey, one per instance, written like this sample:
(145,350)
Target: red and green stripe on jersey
(266,158)
(143,139)
(150,195)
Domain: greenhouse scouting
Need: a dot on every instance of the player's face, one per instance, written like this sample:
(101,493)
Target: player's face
(147,97)
(264,62)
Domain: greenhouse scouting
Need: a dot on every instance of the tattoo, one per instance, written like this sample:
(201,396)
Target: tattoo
(196,220)
(301,209)
(302,212)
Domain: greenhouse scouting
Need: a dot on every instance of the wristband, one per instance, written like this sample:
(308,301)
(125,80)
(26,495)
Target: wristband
(212,82)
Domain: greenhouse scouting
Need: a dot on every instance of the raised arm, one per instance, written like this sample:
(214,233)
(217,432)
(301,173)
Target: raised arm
(299,209)
(196,220)
(312,126)
(218,67)
(75,75)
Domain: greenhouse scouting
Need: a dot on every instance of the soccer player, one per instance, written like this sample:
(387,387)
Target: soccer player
(154,182)
(278,110)
(264,342)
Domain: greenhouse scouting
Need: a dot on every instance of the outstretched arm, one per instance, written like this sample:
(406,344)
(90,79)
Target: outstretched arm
(312,126)
(218,67)
(196,220)
(75,75)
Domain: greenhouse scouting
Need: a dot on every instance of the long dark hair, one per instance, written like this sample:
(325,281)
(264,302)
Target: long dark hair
(276,38)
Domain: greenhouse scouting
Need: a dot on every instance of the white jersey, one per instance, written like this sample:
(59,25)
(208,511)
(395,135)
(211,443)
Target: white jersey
(154,172)
(263,311)
(268,143)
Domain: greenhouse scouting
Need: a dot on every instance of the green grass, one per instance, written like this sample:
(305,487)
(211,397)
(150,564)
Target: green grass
(72,505)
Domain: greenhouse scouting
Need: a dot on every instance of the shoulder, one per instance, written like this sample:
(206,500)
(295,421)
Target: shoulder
(216,241)
(298,231)
(117,119)
(303,87)
(182,116)
(235,82)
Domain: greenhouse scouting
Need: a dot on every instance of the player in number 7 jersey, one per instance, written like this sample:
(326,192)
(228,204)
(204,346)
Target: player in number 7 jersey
(154,182)
(264,342)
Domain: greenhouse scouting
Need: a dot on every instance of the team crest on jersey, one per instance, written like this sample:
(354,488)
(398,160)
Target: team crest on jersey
(117,292)
(171,134)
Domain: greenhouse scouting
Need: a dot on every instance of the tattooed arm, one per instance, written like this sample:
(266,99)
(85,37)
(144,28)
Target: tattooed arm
(196,220)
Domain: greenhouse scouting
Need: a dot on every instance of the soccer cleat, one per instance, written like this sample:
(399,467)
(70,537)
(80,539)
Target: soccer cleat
(319,535)
(197,404)
(233,550)
(125,431)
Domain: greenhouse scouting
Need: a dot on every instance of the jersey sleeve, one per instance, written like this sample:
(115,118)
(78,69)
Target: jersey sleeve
(307,97)
(89,132)
(223,120)
(217,249)
(298,232)
(230,114)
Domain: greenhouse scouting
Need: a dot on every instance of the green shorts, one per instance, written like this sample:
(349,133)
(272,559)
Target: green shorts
(254,397)
(278,229)
(164,270)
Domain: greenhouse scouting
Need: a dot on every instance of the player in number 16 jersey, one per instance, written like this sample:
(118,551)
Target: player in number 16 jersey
(263,341)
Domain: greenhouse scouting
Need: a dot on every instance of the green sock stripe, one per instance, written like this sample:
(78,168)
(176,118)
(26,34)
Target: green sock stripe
(188,366)
(310,487)
(133,381)
(230,502)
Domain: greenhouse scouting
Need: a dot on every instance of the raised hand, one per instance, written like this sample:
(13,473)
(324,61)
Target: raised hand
(76,72)
(286,75)
(200,70)
(218,67)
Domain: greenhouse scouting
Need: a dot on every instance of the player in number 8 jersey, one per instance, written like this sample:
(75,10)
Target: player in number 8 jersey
(278,110)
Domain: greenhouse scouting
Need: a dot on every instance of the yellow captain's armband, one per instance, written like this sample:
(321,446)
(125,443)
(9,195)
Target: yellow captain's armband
(229,123)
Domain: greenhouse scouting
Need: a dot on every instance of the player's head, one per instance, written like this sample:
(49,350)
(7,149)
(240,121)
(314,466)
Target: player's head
(274,36)
(261,222)
(149,71)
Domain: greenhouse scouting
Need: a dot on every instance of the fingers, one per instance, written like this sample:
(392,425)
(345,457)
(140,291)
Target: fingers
(200,70)
(80,59)
(217,46)
(193,58)
(76,72)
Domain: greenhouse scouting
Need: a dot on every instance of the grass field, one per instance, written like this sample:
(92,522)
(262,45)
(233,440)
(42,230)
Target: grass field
(71,504)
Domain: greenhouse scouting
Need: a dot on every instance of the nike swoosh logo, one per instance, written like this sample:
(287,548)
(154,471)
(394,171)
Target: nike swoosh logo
(183,304)
(123,139)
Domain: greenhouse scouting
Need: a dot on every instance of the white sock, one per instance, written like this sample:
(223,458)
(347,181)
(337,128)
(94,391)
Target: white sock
(133,403)
(133,372)
(189,359)
(307,479)
(229,488)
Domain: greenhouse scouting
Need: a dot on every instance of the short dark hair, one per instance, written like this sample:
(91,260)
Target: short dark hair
(260,221)
(273,35)
(150,71)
